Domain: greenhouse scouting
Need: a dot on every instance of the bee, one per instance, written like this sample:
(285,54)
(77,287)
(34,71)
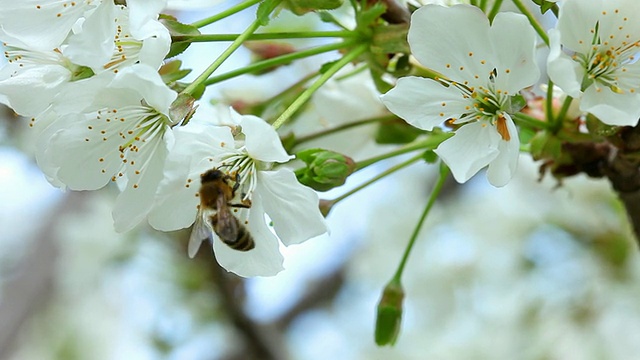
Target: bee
(215,215)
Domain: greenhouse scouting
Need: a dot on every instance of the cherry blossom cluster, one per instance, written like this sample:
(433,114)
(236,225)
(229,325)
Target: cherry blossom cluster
(484,67)
(86,73)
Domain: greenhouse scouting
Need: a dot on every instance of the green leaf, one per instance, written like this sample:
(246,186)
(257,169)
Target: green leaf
(180,34)
(171,71)
(263,14)
(301,7)
(396,132)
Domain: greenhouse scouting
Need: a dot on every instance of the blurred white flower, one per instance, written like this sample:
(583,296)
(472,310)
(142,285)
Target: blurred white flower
(41,24)
(484,67)
(593,57)
(123,135)
(291,208)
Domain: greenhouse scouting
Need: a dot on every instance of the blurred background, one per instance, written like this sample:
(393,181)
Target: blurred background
(534,270)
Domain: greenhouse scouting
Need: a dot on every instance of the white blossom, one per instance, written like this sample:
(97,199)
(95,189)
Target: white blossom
(123,135)
(593,57)
(280,205)
(483,67)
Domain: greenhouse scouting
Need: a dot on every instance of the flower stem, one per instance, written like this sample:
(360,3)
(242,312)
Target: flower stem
(557,122)
(279,60)
(385,173)
(221,15)
(494,10)
(429,143)
(530,121)
(305,95)
(325,132)
(267,36)
(549,102)
(532,20)
(444,172)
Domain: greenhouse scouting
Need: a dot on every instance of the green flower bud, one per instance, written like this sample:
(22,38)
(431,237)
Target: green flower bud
(325,169)
(389,314)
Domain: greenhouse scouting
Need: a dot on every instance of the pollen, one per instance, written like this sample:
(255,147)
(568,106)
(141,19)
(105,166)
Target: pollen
(501,127)
(135,186)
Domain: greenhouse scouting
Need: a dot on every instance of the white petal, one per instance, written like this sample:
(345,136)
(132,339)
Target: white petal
(442,38)
(94,46)
(419,102)
(514,42)
(142,12)
(136,200)
(147,82)
(42,25)
(30,91)
(262,141)
(292,207)
(78,153)
(562,70)
(575,22)
(263,260)
(473,147)
(502,168)
(611,108)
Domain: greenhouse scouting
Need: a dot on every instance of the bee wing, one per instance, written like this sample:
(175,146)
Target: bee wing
(201,231)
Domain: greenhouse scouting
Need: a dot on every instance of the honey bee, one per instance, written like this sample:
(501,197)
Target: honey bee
(215,215)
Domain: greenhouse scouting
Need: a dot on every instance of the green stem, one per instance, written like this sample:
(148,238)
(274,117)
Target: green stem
(385,173)
(549,102)
(325,132)
(483,5)
(221,15)
(444,172)
(283,59)
(225,54)
(530,121)
(266,36)
(532,20)
(494,10)
(306,95)
(403,150)
(557,122)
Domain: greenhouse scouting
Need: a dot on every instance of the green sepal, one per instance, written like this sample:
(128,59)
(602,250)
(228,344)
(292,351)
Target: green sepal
(598,128)
(171,72)
(182,109)
(389,315)
(79,72)
(430,157)
(545,145)
(325,169)
(390,39)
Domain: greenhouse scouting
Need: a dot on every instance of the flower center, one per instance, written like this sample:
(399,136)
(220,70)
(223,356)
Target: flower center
(242,168)
(610,65)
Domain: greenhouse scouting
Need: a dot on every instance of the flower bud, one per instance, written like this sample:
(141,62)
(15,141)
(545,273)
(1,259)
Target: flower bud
(389,315)
(325,169)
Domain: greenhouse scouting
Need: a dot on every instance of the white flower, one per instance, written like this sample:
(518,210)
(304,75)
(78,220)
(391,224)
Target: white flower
(290,207)
(594,52)
(123,135)
(41,24)
(104,40)
(116,36)
(483,67)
